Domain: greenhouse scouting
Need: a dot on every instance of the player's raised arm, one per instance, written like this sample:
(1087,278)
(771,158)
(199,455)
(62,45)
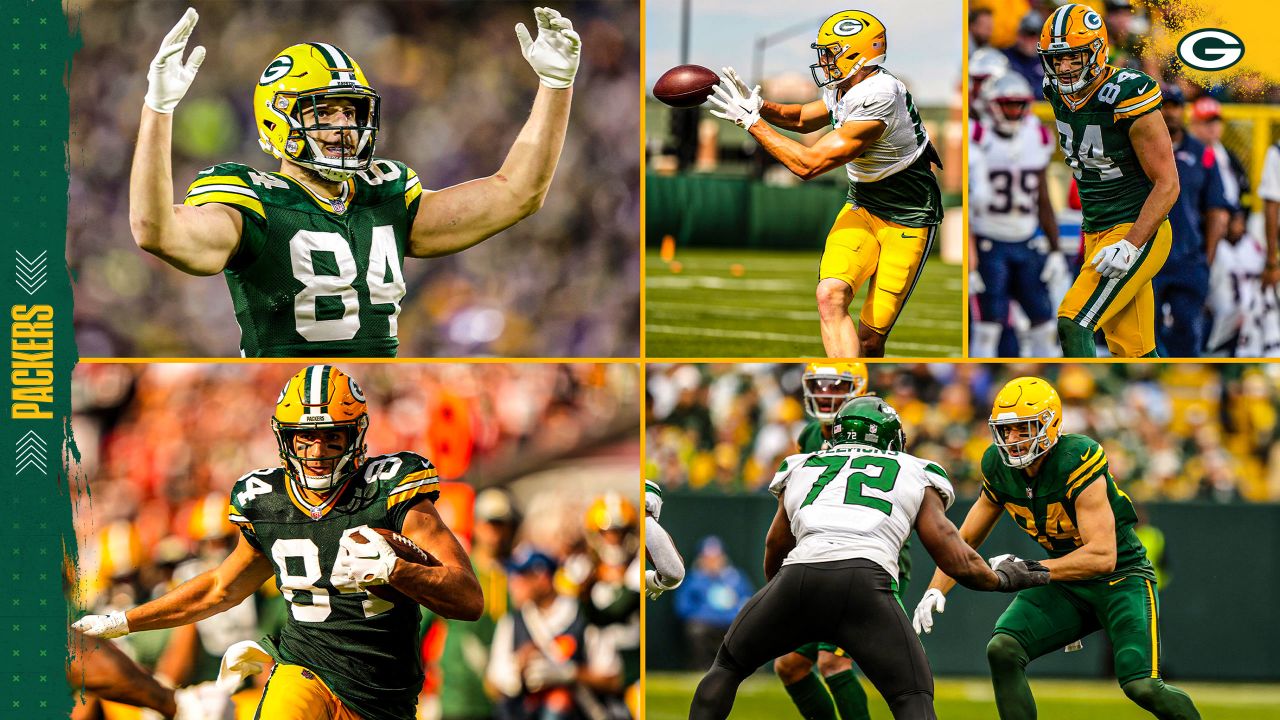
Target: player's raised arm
(196,240)
(454,219)
(209,593)
(451,589)
(1097,524)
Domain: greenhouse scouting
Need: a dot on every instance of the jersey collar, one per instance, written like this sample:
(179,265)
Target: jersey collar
(335,205)
(315,511)
(1073,106)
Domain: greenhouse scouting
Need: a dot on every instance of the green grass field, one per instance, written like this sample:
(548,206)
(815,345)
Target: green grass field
(769,311)
(667,696)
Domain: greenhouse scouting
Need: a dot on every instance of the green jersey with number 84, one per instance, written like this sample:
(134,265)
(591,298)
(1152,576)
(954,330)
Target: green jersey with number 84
(852,501)
(363,647)
(316,276)
(1094,137)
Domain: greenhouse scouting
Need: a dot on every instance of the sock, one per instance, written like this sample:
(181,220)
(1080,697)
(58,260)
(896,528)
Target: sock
(851,699)
(1008,661)
(986,339)
(1042,340)
(812,699)
(1076,341)
(1164,701)
(1155,353)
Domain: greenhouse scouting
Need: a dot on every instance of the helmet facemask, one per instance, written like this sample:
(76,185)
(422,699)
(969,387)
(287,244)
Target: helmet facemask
(345,462)
(304,148)
(828,63)
(1090,67)
(1033,442)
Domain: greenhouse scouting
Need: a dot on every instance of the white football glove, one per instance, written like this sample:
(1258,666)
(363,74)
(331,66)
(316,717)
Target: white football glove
(1055,268)
(976,285)
(655,584)
(203,702)
(241,660)
(555,54)
(736,104)
(364,564)
(103,626)
(169,78)
(1114,261)
(933,601)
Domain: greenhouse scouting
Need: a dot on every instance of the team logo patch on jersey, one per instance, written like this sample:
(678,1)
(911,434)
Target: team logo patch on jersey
(276,70)
(1210,49)
(848,27)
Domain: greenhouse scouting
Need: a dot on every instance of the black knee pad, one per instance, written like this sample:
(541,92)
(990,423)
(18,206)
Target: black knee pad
(1004,651)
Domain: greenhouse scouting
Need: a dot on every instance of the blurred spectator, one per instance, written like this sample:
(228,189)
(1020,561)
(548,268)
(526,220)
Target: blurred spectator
(1125,34)
(1237,302)
(1206,126)
(1269,192)
(1158,422)
(981,25)
(1024,59)
(547,661)
(563,283)
(1199,221)
(712,594)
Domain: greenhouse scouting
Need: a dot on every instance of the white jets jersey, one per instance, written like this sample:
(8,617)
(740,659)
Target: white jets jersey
(880,97)
(852,501)
(1004,196)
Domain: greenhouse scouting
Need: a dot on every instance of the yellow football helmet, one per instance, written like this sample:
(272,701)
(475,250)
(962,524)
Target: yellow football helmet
(296,81)
(1032,407)
(828,385)
(847,42)
(613,512)
(318,398)
(1069,30)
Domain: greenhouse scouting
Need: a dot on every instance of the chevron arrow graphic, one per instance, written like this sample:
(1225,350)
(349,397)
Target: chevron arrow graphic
(31,273)
(31,451)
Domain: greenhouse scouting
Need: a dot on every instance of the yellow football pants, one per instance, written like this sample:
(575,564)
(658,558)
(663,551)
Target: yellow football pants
(862,247)
(1123,307)
(295,693)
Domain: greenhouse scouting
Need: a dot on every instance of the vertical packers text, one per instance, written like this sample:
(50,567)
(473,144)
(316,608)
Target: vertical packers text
(31,374)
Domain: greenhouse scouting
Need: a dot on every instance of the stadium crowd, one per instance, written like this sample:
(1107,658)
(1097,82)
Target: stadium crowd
(454,94)
(1171,431)
(1216,295)
(159,446)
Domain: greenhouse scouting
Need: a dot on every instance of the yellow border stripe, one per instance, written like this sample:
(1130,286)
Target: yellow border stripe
(1143,99)
(1155,633)
(404,495)
(218,180)
(227,198)
(1084,466)
(412,192)
(427,473)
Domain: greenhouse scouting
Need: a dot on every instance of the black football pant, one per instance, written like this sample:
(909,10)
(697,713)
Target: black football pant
(846,602)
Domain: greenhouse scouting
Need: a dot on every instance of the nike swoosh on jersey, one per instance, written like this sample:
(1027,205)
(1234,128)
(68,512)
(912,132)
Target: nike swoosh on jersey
(1113,582)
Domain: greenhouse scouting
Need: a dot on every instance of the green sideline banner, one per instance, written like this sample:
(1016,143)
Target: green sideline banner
(35,526)
(1217,563)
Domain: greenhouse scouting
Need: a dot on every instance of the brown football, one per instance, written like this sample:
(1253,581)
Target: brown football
(406,550)
(685,86)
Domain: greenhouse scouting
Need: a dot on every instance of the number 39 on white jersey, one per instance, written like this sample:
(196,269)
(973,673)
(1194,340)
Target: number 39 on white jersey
(1005,192)
(853,501)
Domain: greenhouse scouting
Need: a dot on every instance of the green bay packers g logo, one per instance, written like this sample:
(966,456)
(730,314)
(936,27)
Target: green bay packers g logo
(848,27)
(1092,20)
(1210,49)
(276,70)
(356,392)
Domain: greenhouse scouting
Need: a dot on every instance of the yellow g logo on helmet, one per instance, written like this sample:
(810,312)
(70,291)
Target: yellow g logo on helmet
(287,104)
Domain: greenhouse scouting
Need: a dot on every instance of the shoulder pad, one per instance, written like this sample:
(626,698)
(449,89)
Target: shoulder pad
(402,476)
(239,186)
(1139,94)
(387,178)
(246,491)
(1082,460)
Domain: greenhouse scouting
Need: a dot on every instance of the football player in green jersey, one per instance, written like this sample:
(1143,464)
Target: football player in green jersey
(313,253)
(826,387)
(349,647)
(1119,149)
(1058,489)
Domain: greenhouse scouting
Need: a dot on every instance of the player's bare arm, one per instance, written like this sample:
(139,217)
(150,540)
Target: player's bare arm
(956,559)
(779,541)
(450,590)
(456,218)
(1097,525)
(207,594)
(1048,219)
(196,240)
(974,531)
(101,668)
(1151,143)
(833,150)
(796,117)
